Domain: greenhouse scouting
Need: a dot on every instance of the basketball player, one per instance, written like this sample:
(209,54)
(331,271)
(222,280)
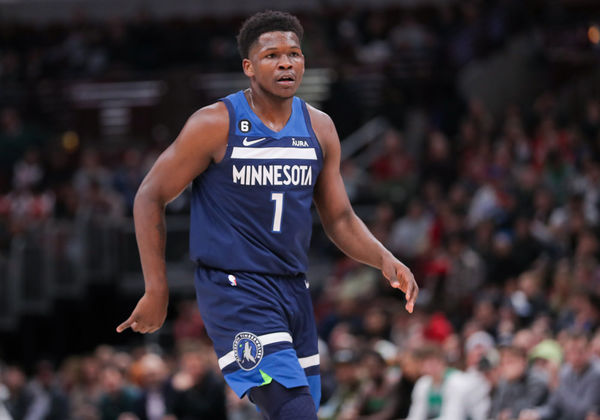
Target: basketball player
(257,159)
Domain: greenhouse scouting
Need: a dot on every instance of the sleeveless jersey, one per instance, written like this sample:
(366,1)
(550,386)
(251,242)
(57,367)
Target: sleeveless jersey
(251,211)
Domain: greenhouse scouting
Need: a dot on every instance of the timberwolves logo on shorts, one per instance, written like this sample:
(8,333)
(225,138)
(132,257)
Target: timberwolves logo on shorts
(248,350)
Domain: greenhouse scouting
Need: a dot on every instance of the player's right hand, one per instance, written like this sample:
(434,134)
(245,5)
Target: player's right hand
(149,313)
(400,277)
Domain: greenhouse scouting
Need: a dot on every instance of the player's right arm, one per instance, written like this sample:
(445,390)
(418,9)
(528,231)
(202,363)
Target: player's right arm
(341,223)
(202,140)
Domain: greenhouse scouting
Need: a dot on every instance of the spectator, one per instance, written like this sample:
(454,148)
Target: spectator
(528,300)
(197,391)
(28,172)
(87,389)
(128,176)
(372,401)
(470,397)
(341,405)
(4,395)
(569,220)
(189,324)
(91,171)
(410,235)
(19,398)
(545,360)
(438,163)
(15,138)
(118,398)
(435,387)
(394,163)
(400,399)
(152,400)
(595,348)
(526,248)
(578,392)
(519,388)
(49,402)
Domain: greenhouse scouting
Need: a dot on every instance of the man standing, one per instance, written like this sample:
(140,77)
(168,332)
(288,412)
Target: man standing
(258,159)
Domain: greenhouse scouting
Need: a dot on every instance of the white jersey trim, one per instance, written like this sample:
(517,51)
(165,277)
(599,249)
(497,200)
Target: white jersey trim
(265,340)
(274,153)
(309,361)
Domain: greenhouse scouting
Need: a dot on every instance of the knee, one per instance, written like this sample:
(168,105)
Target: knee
(278,402)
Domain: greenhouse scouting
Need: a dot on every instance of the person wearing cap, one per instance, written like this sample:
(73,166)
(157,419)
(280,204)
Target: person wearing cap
(545,359)
(341,405)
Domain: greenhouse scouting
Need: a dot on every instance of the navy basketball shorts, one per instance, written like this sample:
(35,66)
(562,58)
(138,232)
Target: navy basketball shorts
(262,328)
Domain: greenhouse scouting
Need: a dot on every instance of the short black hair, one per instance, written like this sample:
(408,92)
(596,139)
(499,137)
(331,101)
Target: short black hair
(267,21)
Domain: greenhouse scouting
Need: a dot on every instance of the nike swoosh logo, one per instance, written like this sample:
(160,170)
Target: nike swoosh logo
(247,142)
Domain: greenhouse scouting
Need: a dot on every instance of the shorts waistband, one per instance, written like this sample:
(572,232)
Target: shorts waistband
(274,275)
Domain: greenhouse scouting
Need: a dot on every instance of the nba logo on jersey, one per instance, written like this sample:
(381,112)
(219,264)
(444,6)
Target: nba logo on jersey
(248,350)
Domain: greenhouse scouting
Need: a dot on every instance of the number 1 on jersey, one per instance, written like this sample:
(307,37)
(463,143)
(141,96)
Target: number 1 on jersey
(278,199)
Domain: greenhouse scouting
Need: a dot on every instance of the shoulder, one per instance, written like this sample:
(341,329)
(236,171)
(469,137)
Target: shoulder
(320,120)
(595,369)
(212,117)
(205,133)
(423,384)
(324,128)
(459,382)
(207,130)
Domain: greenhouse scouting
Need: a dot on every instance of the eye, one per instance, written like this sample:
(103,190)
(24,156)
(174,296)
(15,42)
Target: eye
(295,54)
(270,55)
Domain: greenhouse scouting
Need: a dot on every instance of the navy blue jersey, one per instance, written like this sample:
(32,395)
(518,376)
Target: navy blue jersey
(251,211)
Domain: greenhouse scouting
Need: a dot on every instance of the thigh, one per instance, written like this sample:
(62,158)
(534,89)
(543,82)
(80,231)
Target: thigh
(246,320)
(304,335)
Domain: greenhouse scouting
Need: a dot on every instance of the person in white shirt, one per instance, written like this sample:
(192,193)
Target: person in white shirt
(435,387)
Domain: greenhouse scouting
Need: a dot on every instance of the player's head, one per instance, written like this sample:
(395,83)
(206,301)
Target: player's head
(262,22)
(269,44)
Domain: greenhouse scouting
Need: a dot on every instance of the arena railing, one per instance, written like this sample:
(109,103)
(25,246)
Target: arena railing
(7,296)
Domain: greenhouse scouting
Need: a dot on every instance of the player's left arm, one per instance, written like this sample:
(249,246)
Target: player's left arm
(340,222)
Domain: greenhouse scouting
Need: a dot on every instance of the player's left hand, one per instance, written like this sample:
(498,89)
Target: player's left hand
(149,313)
(400,277)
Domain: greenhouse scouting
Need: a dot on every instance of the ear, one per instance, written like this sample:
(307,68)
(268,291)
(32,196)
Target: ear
(247,67)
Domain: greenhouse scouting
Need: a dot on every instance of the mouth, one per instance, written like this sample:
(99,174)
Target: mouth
(286,80)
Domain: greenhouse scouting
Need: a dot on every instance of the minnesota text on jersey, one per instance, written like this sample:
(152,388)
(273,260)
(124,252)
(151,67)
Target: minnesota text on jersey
(272,175)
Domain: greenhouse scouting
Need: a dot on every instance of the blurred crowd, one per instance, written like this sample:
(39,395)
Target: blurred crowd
(43,178)
(436,373)
(111,384)
(499,220)
(84,47)
(501,230)
(500,227)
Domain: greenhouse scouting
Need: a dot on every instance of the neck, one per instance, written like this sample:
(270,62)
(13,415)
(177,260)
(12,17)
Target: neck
(438,378)
(273,111)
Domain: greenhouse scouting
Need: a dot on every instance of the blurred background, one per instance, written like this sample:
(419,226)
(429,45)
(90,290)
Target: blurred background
(471,147)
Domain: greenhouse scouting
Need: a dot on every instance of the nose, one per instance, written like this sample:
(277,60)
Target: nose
(285,62)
